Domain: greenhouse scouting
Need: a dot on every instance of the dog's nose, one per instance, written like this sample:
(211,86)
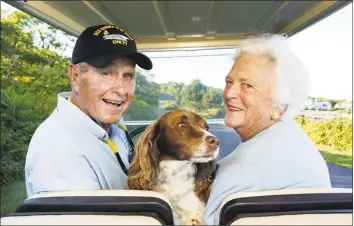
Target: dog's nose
(212,141)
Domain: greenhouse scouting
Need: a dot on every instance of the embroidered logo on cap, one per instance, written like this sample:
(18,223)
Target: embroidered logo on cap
(116,38)
(106,36)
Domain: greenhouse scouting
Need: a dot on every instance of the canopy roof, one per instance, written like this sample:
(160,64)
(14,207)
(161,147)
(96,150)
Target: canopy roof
(157,25)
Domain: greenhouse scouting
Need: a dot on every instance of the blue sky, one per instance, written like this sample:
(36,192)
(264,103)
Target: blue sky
(325,48)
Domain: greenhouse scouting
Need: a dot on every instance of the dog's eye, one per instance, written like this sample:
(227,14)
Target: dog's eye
(206,127)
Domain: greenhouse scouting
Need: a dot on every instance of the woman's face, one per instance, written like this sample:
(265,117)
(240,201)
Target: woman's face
(248,93)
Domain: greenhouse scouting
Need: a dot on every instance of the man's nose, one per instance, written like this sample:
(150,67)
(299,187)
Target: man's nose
(118,85)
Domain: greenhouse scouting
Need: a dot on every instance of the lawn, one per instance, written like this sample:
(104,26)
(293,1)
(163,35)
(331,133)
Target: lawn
(15,193)
(12,195)
(343,159)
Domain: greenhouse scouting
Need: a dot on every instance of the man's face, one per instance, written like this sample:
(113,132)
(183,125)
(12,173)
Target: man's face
(248,92)
(104,93)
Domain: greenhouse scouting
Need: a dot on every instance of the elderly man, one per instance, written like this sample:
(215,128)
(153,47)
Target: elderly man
(83,144)
(265,89)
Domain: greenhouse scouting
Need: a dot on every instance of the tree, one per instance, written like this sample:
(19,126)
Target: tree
(145,90)
(212,99)
(192,95)
(334,102)
(32,73)
(174,89)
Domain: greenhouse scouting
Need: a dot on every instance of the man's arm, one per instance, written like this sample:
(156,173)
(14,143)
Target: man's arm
(60,167)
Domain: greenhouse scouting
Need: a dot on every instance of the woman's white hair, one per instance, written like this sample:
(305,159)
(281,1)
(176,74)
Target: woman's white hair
(292,84)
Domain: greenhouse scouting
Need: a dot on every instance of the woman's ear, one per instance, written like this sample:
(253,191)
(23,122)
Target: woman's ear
(278,112)
(144,169)
(282,108)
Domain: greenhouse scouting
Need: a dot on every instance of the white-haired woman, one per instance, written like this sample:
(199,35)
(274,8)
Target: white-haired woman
(265,89)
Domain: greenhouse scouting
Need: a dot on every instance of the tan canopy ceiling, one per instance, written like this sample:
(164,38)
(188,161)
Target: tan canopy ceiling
(183,24)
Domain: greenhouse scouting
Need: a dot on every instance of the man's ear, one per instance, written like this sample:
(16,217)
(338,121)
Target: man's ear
(74,76)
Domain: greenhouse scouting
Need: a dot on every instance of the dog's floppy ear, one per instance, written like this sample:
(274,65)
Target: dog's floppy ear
(144,169)
(204,179)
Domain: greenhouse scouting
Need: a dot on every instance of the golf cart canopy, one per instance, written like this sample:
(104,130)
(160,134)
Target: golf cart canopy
(159,25)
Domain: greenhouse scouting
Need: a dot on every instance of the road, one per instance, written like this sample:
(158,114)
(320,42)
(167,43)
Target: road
(340,177)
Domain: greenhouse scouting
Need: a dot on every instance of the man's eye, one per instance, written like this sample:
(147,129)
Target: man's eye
(246,85)
(106,73)
(129,76)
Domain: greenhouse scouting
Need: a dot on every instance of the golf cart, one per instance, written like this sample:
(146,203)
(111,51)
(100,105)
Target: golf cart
(184,25)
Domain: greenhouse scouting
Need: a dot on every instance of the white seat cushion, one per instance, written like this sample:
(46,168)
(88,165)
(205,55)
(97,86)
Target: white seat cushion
(285,192)
(302,219)
(79,220)
(138,193)
(124,218)
(292,219)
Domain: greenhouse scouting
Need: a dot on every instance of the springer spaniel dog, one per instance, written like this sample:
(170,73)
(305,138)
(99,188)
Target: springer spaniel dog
(176,156)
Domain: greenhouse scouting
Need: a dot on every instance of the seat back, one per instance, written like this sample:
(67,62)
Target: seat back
(122,207)
(308,206)
(79,220)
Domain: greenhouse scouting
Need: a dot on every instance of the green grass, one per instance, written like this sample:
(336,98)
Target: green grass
(12,195)
(343,159)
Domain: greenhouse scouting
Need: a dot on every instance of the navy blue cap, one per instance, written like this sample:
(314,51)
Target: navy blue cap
(102,44)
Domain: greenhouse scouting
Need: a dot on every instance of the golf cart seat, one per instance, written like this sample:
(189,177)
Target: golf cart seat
(112,207)
(305,206)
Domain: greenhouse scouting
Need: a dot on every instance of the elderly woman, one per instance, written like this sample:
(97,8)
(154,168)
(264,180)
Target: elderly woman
(265,89)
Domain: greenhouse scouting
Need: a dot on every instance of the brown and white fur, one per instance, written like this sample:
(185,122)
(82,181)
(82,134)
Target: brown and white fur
(177,157)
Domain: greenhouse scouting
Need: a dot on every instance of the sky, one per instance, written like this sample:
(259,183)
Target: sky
(325,48)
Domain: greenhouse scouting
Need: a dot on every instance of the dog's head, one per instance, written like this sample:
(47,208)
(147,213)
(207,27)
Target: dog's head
(179,135)
(183,135)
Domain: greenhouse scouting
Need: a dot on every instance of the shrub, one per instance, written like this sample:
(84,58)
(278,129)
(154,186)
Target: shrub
(141,110)
(216,112)
(336,133)
(169,106)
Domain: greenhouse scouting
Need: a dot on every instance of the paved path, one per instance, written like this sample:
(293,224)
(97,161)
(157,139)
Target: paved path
(340,177)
